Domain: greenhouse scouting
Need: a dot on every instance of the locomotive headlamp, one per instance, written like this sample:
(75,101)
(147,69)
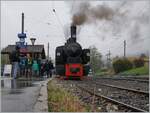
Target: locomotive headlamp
(87,54)
(58,54)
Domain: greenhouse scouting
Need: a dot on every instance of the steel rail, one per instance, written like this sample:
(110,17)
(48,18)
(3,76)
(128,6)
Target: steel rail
(134,109)
(129,79)
(134,79)
(139,80)
(123,88)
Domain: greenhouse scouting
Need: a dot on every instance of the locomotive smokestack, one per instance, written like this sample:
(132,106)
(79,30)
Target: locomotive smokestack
(73,32)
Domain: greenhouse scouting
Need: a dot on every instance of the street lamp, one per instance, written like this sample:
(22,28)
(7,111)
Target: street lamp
(32,40)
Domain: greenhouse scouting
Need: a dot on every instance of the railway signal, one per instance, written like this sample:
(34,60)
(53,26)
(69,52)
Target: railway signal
(108,59)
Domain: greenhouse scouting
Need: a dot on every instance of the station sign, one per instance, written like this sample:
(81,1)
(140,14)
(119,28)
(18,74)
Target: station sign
(23,50)
(7,69)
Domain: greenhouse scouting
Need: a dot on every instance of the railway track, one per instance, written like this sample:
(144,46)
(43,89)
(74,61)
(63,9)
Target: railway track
(129,98)
(132,97)
(128,84)
(138,79)
(134,109)
(123,88)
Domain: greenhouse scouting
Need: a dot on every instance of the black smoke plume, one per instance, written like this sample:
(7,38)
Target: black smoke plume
(86,13)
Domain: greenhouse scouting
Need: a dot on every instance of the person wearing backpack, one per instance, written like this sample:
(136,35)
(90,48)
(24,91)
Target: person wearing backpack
(14,58)
(42,69)
(51,67)
(46,68)
(22,65)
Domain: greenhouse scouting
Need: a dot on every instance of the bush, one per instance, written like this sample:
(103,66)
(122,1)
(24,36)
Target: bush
(138,62)
(61,100)
(121,65)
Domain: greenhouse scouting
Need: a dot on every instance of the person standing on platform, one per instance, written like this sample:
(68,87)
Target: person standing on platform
(35,68)
(14,58)
(46,68)
(29,66)
(42,70)
(39,64)
(51,67)
(22,65)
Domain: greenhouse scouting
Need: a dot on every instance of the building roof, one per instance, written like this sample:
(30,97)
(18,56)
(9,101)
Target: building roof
(30,49)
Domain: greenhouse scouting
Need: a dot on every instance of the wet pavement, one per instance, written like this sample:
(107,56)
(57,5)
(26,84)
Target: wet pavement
(19,95)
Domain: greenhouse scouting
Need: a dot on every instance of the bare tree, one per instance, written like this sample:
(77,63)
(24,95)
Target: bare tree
(95,59)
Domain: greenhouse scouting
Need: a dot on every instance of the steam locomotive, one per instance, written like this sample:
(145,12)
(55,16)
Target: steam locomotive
(71,60)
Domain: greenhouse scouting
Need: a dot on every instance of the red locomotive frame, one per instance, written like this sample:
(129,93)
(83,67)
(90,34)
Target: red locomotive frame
(74,70)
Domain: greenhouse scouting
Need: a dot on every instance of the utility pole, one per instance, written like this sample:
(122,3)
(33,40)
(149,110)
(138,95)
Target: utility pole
(108,59)
(48,51)
(124,48)
(109,55)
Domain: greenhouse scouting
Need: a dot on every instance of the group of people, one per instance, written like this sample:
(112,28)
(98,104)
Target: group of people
(35,67)
(25,65)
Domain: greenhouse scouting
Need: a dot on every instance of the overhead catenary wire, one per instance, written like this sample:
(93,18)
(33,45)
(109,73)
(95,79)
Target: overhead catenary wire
(57,17)
(73,4)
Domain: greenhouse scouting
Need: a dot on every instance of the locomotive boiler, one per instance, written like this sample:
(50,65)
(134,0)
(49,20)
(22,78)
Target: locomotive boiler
(71,60)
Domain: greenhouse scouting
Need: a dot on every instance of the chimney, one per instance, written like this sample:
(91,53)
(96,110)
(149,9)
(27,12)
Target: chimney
(73,32)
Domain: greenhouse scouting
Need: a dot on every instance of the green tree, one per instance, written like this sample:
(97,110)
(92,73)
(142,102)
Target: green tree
(95,59)
(138,62)
(121,65)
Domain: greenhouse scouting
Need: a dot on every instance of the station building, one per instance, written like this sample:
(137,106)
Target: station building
(35,51)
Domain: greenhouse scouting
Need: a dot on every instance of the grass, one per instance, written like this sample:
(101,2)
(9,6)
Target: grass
(137,71)
(101,72)
(60,100)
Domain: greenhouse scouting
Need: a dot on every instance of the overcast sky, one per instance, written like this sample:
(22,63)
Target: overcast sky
(46,26)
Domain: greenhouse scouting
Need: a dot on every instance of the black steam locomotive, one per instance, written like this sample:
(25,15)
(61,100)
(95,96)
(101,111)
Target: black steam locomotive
(71,60)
